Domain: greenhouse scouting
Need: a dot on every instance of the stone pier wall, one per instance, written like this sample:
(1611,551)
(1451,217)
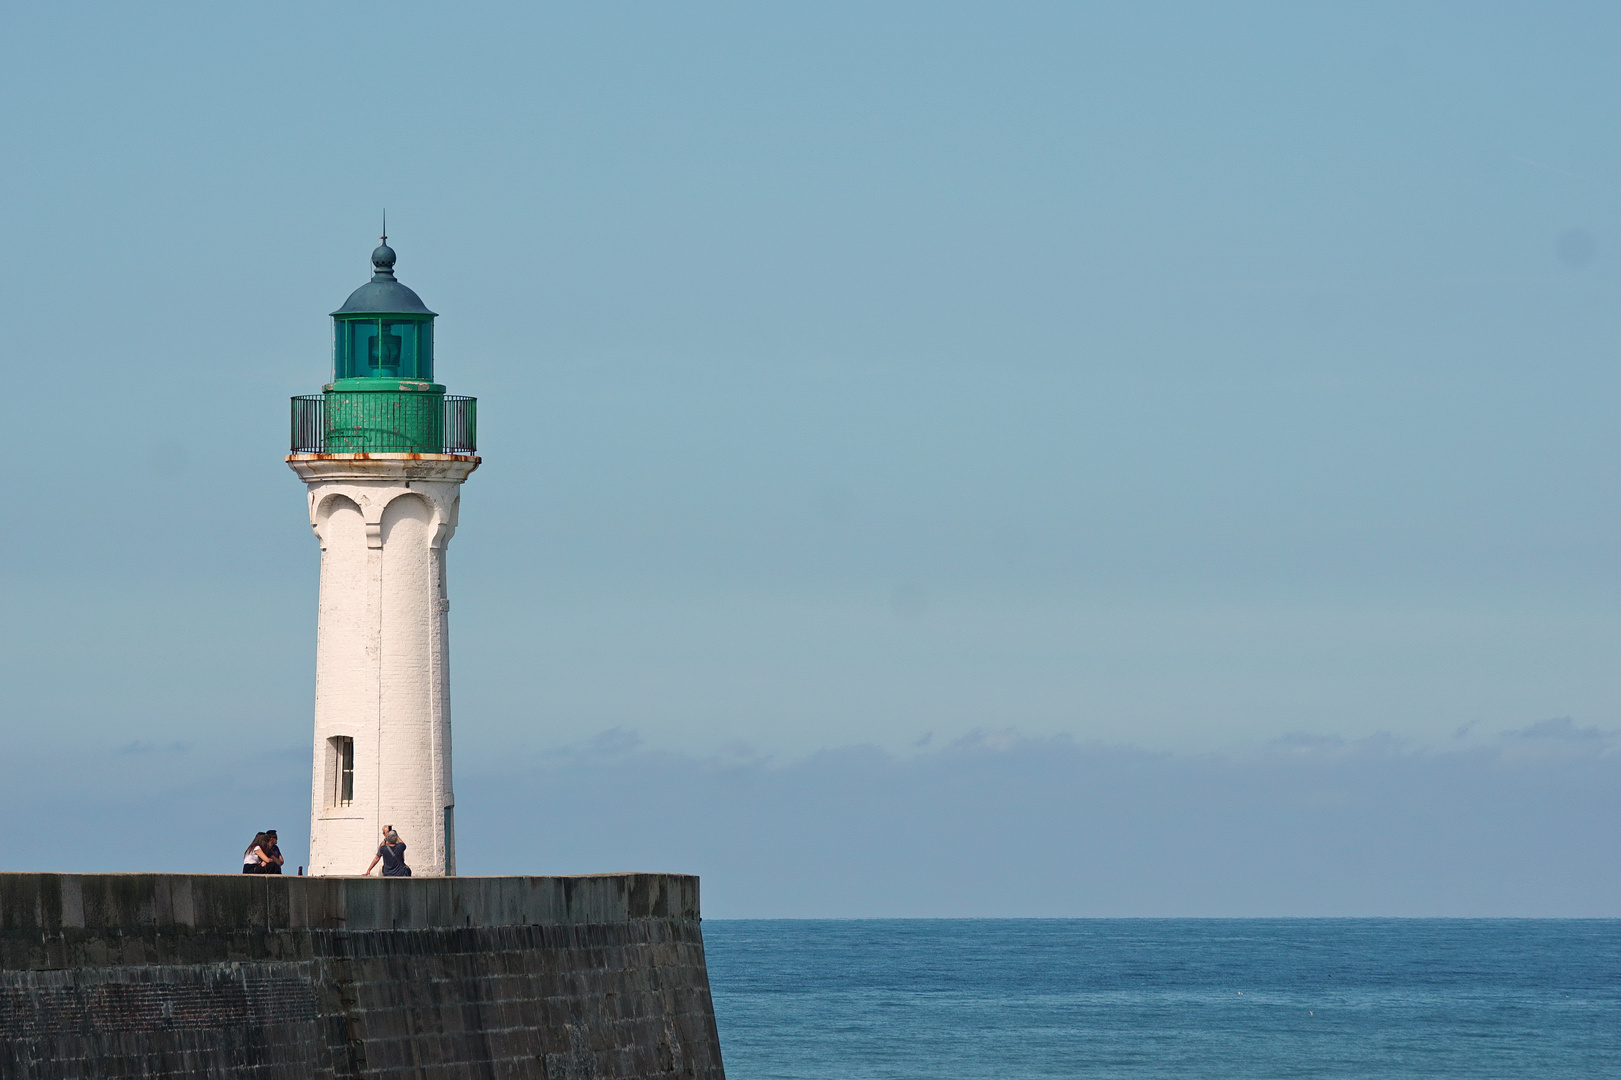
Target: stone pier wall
(176,975)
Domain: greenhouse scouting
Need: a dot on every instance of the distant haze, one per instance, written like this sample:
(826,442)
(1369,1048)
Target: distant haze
(939,459)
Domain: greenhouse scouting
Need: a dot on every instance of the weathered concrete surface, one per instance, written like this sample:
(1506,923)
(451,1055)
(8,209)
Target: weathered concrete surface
(175,975)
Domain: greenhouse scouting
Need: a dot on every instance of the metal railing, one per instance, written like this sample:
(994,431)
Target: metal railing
(343,422)
(309,423)
(461,424)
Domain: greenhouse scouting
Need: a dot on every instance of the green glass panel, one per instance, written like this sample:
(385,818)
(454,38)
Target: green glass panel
(383,353)
(362,348)
(406,351)
(382,349)
(342,351)
(425,351)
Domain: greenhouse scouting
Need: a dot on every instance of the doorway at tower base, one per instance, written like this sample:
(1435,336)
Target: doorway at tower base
(194,975)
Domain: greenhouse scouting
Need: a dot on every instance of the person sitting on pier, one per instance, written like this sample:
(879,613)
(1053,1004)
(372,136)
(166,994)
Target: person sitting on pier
(254,860)
(392,852)
(272,854)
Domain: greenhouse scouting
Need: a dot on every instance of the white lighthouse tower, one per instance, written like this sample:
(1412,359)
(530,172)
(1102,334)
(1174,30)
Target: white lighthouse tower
(383,451)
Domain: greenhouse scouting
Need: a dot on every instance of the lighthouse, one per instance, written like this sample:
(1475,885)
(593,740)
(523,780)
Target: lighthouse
(383,452)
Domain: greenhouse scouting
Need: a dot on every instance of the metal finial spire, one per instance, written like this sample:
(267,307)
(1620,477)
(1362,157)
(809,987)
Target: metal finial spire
(382,260)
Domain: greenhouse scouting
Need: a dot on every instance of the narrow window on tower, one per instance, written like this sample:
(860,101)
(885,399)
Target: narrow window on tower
(342,757)
(450,841)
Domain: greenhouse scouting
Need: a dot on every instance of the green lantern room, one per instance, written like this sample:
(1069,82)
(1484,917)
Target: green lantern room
(382,332)
(382,397)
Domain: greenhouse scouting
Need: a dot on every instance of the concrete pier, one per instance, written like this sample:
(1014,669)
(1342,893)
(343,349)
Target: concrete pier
(288,978)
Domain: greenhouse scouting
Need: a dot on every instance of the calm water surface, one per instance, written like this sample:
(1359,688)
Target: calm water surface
(1008,999)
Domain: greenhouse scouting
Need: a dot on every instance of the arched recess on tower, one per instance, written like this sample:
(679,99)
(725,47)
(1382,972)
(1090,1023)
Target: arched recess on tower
(409,579)
(412,686)
(341,528)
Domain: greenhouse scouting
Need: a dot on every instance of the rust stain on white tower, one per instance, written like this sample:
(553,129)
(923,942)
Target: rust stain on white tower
(383,451)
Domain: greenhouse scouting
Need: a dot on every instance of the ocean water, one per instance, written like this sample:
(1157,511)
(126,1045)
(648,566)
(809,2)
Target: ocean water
(1015,998)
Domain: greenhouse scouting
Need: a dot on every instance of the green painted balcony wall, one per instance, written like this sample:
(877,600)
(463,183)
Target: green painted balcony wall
(408,422)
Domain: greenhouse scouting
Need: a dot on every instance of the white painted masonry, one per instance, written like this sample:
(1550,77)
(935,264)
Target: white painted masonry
(382,655)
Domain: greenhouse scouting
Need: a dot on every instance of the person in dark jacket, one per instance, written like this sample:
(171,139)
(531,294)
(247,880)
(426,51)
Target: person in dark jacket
(272,853)
(392,852)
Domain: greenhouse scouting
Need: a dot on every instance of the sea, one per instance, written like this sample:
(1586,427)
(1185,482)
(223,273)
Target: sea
(1007,999)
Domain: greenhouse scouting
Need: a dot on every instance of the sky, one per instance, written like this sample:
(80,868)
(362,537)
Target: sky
(938,459)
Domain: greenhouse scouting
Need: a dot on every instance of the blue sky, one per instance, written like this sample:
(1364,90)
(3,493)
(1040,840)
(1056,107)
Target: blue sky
(1218,398)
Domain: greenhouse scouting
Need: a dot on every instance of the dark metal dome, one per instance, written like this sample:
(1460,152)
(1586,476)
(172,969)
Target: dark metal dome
(382,295)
